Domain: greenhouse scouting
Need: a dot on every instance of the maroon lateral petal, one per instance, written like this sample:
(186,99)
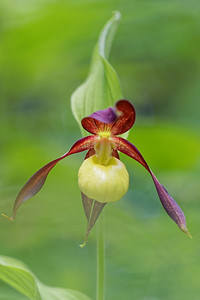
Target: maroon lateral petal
(36,182)
(169,204)
(96,121)
(126,117)
(129,149)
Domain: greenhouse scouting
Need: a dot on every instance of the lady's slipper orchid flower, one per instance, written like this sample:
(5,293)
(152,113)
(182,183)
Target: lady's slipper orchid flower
(102,176)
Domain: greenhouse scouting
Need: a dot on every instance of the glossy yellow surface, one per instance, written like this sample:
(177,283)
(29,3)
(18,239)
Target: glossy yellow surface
(104,183)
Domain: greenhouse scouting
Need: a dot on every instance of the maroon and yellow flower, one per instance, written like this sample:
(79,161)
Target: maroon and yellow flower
(102,177)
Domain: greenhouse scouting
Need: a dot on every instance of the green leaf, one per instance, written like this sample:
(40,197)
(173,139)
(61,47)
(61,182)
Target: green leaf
(102,87)
(17,275)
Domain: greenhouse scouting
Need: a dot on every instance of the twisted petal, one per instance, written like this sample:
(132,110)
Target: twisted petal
(118,119)
(169,204)
(36,182)
(126,117)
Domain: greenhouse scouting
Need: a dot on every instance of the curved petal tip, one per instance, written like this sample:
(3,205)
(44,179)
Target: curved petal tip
(185,230)
(83,245)
(5,216)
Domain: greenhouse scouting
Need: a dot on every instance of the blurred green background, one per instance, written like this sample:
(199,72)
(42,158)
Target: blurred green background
(46,48)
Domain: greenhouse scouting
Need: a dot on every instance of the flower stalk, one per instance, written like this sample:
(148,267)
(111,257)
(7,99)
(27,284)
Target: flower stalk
(100,289)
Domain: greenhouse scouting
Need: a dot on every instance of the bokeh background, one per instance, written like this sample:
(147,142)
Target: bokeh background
(46,48)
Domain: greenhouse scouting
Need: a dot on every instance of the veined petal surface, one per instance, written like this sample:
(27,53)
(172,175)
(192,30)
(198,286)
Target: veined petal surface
(126,117)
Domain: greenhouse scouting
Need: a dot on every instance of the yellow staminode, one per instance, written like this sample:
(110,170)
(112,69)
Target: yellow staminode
(103,183)
(104,134)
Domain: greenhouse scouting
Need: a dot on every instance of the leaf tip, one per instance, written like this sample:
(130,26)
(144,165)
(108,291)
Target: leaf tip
(5,216)
(117,15)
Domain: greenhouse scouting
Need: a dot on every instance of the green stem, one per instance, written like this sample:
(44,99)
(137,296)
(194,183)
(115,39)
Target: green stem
(100,258)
